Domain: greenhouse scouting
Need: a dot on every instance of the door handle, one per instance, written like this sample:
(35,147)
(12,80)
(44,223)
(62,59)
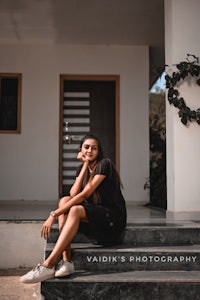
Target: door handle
(71,138)
(68,139)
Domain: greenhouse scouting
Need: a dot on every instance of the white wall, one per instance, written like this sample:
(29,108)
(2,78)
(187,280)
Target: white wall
(29,161)
(21,245)
(183,143)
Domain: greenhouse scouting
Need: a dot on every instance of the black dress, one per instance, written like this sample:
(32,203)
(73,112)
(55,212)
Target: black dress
(105,209)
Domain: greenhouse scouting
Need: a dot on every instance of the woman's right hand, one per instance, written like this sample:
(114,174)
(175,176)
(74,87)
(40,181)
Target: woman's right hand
(81,157)
(46,227)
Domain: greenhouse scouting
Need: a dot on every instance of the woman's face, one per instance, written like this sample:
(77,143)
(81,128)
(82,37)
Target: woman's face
(90,149)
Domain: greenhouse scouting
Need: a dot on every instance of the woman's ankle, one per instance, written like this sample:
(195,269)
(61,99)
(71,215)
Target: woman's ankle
(48,265)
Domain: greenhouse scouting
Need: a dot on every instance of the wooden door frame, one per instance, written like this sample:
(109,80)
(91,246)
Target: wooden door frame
(116,79)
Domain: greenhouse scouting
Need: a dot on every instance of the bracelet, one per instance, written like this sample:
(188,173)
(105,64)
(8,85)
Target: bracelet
(53,214)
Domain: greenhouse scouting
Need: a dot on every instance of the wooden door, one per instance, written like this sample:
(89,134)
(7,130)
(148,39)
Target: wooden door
(88,104)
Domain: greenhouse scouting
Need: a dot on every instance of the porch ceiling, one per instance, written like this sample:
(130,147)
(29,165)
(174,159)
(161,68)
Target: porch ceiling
(92,22)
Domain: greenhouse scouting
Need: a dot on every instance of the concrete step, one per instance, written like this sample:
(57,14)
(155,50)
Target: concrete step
(120,258)
(134,285)
(159,261)
(153,234)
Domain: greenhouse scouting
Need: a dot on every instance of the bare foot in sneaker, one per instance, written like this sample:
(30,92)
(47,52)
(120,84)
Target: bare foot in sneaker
(64,268)
(39,273)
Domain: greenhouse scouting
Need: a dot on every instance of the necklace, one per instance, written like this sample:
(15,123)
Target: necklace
(90,170)
(92,167)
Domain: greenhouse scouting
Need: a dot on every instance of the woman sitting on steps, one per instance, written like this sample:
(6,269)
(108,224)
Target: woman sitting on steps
(95,207)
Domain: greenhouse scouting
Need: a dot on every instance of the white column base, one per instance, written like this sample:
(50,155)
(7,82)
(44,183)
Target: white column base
(183,215)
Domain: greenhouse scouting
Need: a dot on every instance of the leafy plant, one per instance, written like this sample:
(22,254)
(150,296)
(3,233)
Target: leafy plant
(190,67)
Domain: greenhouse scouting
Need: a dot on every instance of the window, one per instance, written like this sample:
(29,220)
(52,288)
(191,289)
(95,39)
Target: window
(10,103)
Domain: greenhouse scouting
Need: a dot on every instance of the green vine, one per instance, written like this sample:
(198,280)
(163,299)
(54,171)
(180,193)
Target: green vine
(190,67)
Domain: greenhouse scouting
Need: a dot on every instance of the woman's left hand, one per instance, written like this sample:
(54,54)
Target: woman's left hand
(46,227)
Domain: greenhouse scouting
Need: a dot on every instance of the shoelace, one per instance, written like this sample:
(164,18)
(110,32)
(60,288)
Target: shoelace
(37,267)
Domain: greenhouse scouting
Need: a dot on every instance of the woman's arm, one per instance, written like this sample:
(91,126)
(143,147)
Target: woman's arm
(77,186)
(84,194)
(90,187)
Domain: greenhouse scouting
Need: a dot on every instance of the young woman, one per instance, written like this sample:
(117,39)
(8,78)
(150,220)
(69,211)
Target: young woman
(95,207)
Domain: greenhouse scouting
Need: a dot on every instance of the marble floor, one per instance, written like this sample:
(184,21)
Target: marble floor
(138,213)
(35,210)
(39,211)
(149,216)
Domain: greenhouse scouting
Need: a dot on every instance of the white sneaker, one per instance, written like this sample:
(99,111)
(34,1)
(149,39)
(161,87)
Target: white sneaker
(39,273)
(64,268)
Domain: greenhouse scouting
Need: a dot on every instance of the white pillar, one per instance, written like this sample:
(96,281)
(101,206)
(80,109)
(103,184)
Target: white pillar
(182,36)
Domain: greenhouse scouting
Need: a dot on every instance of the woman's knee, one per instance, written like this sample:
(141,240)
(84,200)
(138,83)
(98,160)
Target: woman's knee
(63,201)
(77,211)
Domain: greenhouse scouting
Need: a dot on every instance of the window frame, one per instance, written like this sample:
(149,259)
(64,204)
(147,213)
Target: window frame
(17,76)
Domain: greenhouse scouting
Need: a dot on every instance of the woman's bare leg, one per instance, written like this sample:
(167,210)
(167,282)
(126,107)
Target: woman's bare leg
(61,222)
(75,216)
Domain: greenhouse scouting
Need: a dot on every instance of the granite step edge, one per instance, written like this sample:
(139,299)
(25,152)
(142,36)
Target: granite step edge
(161,225)
(89,248)
(182,235)
(136,259)
(131,276)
